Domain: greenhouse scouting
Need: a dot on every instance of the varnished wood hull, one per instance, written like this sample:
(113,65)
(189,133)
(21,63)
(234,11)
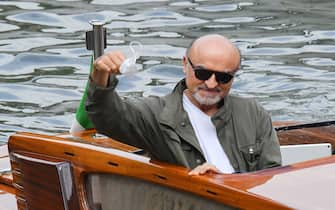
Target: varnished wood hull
(88,155)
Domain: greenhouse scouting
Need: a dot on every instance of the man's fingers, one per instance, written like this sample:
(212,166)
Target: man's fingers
(115,60)
(195,171)
(120,55)
(101,65)
(207,168)
(105,65)
(202,169)
(215,169)
(109,62)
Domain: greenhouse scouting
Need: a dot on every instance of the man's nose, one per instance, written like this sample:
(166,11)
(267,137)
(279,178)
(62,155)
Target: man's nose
(211,82)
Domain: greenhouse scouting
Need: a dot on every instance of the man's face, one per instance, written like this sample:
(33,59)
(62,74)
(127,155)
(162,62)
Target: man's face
(208,82)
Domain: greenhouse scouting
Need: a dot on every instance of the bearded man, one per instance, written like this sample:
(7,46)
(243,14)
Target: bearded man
(199,125)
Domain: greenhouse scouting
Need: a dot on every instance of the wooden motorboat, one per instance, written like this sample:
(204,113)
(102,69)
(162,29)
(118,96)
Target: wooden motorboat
(87,171)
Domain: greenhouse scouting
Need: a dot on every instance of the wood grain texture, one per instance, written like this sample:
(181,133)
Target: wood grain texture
(91,137)
(324,134)
(38,182)
(87,158)
(89,154)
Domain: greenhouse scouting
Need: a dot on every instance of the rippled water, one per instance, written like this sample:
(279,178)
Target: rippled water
(288,52)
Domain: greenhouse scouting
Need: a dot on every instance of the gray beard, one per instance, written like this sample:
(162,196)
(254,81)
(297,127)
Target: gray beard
(207,101)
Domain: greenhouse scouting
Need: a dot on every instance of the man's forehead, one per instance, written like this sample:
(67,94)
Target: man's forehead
(212,40)
(213,46)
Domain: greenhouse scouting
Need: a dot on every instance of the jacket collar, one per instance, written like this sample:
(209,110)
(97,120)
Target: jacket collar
(174,115)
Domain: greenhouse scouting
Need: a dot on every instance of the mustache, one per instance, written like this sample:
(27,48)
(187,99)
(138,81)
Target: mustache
(204,87)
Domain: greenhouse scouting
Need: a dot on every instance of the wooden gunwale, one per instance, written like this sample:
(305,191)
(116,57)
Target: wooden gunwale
(83,158)
(81,148)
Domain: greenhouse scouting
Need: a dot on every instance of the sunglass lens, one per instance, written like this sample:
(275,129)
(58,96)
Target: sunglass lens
(202,74)
(223,77)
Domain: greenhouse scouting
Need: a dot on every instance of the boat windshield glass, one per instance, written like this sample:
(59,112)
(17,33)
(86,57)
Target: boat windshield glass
(109,191)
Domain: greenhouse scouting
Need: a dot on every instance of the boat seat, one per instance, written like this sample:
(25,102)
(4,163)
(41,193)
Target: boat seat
(43,183)
(307,135)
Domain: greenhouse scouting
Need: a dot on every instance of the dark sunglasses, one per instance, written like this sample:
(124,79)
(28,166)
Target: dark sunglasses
(204,74)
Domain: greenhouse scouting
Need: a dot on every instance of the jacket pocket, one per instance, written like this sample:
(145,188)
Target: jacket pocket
(251,155)
(185,146)
(193,157)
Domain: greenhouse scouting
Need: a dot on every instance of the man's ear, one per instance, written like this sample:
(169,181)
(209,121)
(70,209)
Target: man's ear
(184,64)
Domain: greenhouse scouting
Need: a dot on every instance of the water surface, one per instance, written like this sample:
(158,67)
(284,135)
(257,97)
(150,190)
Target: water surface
(288,54)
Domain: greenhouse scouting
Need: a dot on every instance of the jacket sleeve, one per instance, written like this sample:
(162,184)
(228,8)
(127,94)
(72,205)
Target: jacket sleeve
(131,121)
(270,155)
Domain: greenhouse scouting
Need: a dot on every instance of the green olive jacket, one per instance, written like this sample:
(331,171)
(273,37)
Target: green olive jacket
(161,126)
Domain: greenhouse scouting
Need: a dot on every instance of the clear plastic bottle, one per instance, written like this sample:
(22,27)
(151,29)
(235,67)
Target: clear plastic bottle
(129,65)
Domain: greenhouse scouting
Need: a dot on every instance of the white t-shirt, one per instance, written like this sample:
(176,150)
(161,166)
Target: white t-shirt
(205,132)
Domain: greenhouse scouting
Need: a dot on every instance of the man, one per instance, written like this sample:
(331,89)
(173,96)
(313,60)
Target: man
(199,125)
